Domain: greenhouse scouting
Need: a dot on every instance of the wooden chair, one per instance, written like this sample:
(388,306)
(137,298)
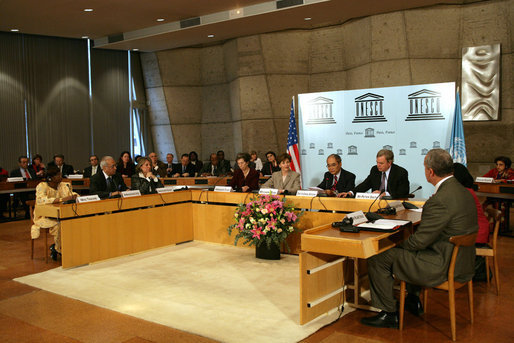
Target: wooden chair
(450,285)
(492,252)
(31,204)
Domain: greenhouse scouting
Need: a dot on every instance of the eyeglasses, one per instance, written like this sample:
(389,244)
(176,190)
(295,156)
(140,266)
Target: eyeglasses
(332,165)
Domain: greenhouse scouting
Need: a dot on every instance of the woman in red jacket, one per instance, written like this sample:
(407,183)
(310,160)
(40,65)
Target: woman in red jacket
(503,172)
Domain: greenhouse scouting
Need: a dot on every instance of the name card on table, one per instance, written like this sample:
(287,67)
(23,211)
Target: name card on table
(223,189)
(358,217)
(76,176)
(397,205)
(366,195)
(15,179)
(88,198)
(165,190)
(306,193)
(268,191)
(484,179)
(130,194)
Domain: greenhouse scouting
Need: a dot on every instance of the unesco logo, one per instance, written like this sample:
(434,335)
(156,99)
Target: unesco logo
(319,111)
(425,105)
(369,108)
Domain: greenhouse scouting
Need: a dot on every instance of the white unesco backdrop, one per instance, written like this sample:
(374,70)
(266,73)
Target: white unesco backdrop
(409,120)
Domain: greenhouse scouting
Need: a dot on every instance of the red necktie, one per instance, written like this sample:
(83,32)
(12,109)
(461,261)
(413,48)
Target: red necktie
(27,175)
(335,184)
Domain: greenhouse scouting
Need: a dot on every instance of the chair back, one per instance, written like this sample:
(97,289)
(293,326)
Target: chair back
(459,241)
(496,215)
(31,204)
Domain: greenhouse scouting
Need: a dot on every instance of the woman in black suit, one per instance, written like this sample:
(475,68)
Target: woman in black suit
(143,180)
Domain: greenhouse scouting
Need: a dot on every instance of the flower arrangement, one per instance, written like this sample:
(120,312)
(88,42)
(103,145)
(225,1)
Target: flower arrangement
(264,219)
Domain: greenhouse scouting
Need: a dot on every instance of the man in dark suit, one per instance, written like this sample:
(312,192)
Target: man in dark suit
(336,180)
(27,173)
(213,168)
(169,164)
(423,259)
(223,162)
(158,167)
(185,168)
(385,177)
(93,168)
(107,183)
(65,169)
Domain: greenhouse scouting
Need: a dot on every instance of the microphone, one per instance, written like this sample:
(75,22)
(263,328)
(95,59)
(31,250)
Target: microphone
(408,205)
(370,216)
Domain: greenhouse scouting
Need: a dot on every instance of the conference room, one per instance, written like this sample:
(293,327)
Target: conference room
(207,82)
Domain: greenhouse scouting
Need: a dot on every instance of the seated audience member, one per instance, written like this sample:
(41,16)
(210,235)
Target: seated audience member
(245,179)
(503,171)
(27,173)
(336,180)
(3,197)
(158,167)
(193,159)
(64,168)
(169,164)
(125,166)
(107,183)
(256,160)
(271,166)
(213,168)
(38,166)
(423,259)
(185,168)
(144,180)
(223,162)
(285,180)
(385,176)
(136,159)
(51,191)
(4,174)
(93,168)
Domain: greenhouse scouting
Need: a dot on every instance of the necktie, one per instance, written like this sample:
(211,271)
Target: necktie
(110,184)
(383,182)
(27,175)
(183,169)
(335,184)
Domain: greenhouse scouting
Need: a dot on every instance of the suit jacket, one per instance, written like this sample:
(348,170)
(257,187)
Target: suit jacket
(268,169)
(345,183)
(225,165)
(143,185)
(66,168)
(397,183)
(290,184)
(190,169)
(17,173)
(98,185)
(89,170)
(427,252)
(251,180)
(207,168)
(161,169)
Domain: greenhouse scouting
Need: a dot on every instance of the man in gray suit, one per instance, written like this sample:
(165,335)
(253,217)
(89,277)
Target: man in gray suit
(423,259)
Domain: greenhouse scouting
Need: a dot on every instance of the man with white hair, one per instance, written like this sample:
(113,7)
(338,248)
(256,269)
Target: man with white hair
(108,183)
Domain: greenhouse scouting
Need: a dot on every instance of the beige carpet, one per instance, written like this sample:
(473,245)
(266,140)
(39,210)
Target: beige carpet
(218,291)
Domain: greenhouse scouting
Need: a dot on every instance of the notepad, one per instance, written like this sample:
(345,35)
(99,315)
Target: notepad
(383,225)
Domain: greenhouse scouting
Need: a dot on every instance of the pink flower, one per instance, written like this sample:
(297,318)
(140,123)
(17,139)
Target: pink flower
(256,233)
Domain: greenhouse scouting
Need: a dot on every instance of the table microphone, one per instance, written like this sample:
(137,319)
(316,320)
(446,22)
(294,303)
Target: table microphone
(408,205)
(370,216)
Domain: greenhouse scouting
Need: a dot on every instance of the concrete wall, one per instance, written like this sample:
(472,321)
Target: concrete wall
(236,96)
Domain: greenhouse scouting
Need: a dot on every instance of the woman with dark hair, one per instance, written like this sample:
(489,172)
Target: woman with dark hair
(245,179)
(193,159)
(271,166)
(38,166)
(503,171)
(53,191)
(285,180)
(144,180)
(125,166)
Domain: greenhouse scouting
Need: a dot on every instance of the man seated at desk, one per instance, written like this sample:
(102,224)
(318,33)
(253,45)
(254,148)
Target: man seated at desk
(27,173)
(185,168)
(65,169)
(169,164)
(158,167)
(423,259)
(108,183)
(213,168)
(384,177)
(93,168)
(336,180)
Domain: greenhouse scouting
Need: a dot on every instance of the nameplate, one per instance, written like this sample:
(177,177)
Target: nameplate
(15,179)
(130,194)
(163,190)
(397,205)
(484,179)
(223,189)
(306,193)
(358,217)
(76,176)
(366,195)
(88,198)
(268,191)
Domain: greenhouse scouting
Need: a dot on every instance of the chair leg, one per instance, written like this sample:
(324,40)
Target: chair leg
(425,299)
(32,249)
(496,274)
(451,302)
(402,303)
(487,270)
(46,246)
(470,300)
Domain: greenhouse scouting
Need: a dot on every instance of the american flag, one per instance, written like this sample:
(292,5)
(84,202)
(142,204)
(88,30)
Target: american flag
(292,141)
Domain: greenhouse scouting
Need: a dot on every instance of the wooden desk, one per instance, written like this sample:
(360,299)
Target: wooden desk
(322,279)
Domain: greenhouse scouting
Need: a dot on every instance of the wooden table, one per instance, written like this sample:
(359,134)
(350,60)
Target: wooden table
(322,262)
(504,192)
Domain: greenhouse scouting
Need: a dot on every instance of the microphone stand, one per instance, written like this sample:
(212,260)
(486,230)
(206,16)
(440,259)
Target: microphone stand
(371,216)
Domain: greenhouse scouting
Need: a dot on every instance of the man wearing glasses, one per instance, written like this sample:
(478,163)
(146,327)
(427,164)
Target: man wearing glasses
(107,184)
(336,180)
(93,168)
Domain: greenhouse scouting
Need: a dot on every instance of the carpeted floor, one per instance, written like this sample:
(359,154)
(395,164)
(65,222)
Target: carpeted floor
(218,291)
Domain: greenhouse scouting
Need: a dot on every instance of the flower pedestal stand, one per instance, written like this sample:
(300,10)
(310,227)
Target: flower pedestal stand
(262,251)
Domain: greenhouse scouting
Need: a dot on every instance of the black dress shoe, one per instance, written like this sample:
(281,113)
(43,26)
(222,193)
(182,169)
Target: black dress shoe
(382,320)
(53,253)
(413,305)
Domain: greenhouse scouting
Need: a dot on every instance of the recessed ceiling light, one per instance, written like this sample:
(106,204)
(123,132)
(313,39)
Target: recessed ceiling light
(307,18)
(160,19)
(210,36)
(135,49)
(88,10)
(85,37)
(14,30)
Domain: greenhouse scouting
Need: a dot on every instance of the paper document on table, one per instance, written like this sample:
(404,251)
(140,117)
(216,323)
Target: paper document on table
(383,225)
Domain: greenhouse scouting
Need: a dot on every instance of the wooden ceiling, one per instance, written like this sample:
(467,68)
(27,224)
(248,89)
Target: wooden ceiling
(132,24)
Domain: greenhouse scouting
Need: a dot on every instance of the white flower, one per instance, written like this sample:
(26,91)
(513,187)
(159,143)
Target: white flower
(264,211)
(291,229)
(279,230)
(252,220)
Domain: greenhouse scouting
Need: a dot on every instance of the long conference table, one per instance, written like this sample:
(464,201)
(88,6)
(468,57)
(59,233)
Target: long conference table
(100,230)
